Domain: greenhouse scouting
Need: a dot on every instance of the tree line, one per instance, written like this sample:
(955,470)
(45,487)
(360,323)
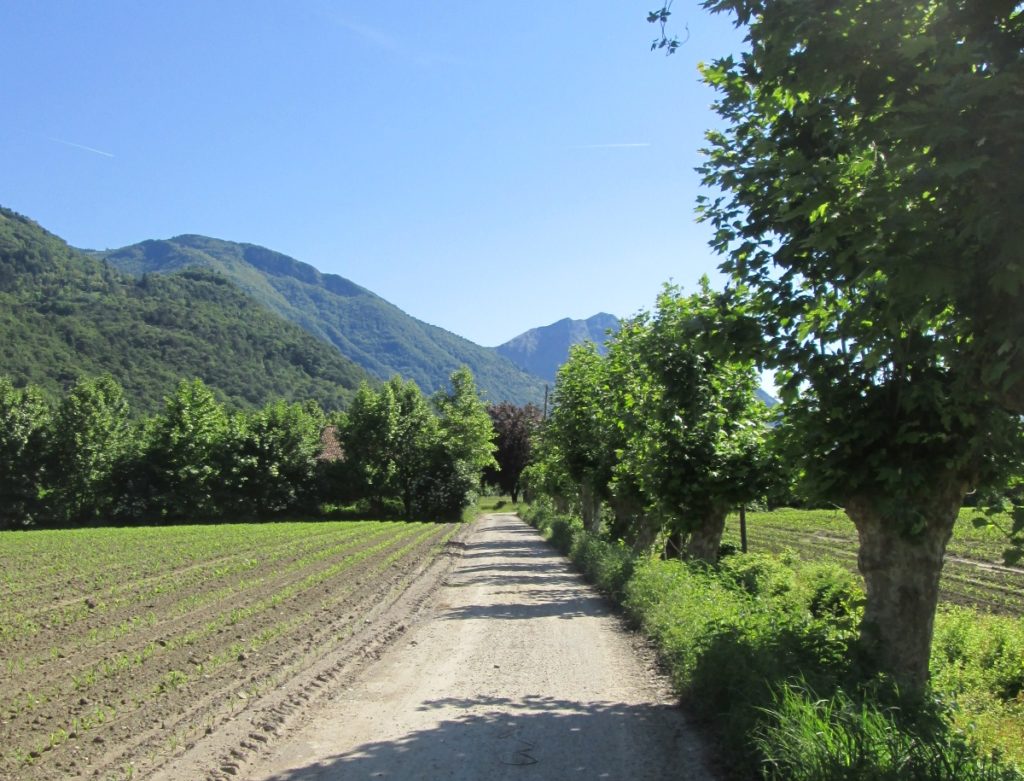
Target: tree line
(86,459)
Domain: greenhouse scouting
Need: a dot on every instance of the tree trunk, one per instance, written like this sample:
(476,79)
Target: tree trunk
(645,534)
(706,538)
(628,510)
(674,545)
(901,575)
(561,503)
(590,510)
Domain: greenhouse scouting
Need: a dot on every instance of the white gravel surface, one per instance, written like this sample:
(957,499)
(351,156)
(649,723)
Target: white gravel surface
(518,670)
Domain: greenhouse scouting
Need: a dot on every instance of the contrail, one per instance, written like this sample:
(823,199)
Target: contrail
(81,146)
(611,146)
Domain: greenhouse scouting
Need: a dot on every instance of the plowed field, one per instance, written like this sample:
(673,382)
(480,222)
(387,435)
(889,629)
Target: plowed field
(120,648)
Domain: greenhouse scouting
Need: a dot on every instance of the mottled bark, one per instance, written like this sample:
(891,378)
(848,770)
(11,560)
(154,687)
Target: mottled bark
(901,575)
(706,537)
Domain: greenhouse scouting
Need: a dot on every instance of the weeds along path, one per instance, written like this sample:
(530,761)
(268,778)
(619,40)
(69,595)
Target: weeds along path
(515,669)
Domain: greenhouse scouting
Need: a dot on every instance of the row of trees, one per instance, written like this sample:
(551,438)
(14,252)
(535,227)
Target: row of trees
(666,431)
(868,210)
(87,459)
(869,218)
(426,456)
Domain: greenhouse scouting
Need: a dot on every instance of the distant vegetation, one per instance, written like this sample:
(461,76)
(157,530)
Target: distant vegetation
(65,315)
(414,457)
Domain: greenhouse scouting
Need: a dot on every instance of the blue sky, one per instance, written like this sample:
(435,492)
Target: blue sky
(486,166)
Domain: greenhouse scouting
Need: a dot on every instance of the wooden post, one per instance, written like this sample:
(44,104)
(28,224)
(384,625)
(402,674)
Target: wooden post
(743,529)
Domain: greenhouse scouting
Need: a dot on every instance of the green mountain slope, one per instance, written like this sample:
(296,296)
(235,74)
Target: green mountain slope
(364,327)
(542,350)
(64,314)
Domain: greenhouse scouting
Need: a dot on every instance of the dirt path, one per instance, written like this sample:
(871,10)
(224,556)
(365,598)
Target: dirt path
(516,670)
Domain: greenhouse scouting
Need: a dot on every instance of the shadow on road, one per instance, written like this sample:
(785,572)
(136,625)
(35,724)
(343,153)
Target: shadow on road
(526,738)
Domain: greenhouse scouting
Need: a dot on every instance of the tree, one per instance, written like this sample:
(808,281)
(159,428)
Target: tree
(514,430)
(24,417)
(870,215)
(464,448)
(464,425)
(365,432)
(694,428)
(582,429)
(389,436)
(89,438)
(274,457)
(186,453)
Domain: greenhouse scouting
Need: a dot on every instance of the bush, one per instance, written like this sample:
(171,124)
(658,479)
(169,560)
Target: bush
(759,574)
(832,592)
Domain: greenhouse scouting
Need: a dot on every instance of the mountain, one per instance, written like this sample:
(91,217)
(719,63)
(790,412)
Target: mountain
(64,314)
(364,327)
(541,351)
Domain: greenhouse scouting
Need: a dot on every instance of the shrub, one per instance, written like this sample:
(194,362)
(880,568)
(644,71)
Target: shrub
(759,574)
(831,591)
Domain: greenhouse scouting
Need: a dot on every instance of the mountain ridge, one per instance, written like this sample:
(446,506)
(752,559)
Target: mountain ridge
(362,325)
(543,349)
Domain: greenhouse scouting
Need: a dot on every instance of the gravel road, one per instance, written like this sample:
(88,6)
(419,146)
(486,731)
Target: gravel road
(517,670)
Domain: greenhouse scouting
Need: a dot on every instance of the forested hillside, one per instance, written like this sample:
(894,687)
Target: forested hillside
(370,331)
(64,314)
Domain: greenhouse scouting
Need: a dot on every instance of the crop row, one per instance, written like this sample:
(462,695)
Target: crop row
(239,604)
(107,561)
(92,605)
(102,672)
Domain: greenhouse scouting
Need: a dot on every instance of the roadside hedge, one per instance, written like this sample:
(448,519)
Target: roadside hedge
(762,651)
